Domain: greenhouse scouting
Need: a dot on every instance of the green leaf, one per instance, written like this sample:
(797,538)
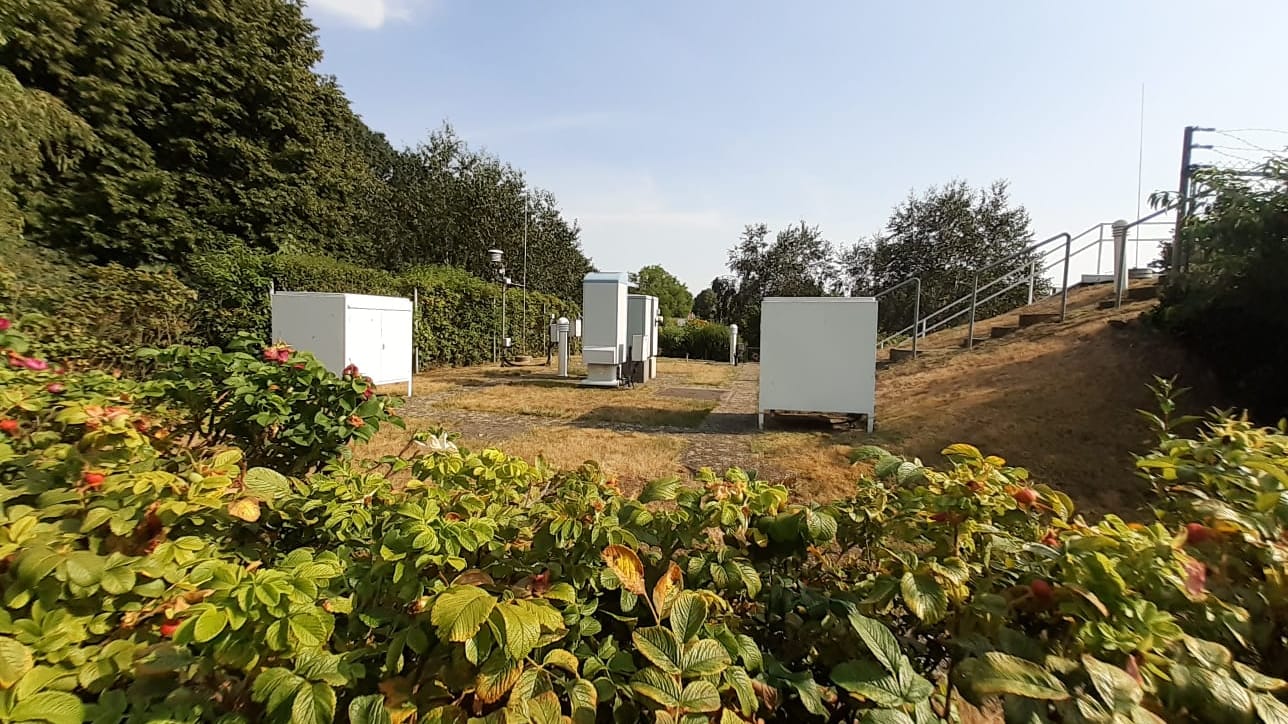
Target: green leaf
(1269,709)
(267,485)
(902,688)
(866,453)
(53,707)
(585,700)
(749,653)
(887,466)
(660,647)
(660,490)
(820,525)
(544,708)
(34,564)
(688,613)
(496,677)
(880,642)
(740,680)
(885,716)
(15,661)
(1116,687)
(704,658)
(1256,680)
(657,686)
(274,687)
(962,450)
(750,576)
(562,659)
(924,596)
(998,673)
(208,625)
(460,611)
(314,703)
(521,630)
(118,580)
(700,696)
(369,710)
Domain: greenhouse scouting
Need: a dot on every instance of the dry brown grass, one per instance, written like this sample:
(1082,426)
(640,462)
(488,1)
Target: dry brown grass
(1059,399)
(698,373)
(815,465)
(633,458)
(562,401)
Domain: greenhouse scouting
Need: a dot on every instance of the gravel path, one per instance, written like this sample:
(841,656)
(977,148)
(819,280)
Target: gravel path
(724,438)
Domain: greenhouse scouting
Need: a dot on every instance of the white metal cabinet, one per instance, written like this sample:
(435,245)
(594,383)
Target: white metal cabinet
(818,354)
(374,333)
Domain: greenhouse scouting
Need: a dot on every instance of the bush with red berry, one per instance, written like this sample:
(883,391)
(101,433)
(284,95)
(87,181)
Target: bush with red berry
(151,569)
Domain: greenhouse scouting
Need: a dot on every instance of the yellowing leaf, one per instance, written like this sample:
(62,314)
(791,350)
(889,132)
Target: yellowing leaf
(666,589)
(459,611)
(627,566)
(246,509)
(562,659)
(15,661)
(496,677)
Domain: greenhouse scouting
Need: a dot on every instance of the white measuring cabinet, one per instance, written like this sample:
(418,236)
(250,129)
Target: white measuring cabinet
(818,354)
(374,333)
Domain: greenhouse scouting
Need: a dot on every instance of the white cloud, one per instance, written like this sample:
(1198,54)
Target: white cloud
(367,14)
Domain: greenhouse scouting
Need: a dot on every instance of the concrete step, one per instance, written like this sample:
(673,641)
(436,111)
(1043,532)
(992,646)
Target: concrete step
(899,355)
(1001,331)
(1141,293)
(978,340)
(1028,320)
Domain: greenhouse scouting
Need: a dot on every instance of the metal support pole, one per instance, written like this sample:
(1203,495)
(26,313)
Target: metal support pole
(916,315)
(523,331)
(504,347)
(1033,276)
(974,295)
(1179,255)
(1100,247)
(1064,287)
(415,348)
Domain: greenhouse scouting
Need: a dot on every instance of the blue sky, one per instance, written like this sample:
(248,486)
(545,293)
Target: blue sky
(664,126)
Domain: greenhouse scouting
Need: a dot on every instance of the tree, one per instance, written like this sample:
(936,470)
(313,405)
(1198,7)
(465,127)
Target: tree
(704,305)
(799,262)
(214,135)
(672,296)
(943,236)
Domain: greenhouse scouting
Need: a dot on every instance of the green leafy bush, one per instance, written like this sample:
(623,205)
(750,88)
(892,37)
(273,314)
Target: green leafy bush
(1233,294)
(144,579)
(282,408)
(93,315)
(697,339)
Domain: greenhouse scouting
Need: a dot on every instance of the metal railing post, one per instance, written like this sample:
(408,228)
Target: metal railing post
(974,294)
(1033,276)
(1064,292)
(916,315)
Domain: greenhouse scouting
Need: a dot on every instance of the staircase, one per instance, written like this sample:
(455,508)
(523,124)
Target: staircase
(934,331)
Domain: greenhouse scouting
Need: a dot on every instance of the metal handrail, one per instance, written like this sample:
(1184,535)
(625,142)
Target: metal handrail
(916,308)
(922,325)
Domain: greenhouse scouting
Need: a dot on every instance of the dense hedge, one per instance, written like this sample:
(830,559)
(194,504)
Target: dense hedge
(88,314)
(696,340)
(103,313)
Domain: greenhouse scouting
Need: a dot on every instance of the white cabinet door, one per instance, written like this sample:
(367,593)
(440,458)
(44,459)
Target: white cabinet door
(362,341)
(396,345)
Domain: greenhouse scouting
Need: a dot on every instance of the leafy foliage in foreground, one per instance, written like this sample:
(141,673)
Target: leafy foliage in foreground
(144,580)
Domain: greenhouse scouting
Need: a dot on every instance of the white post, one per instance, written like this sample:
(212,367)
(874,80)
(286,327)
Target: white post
(733,344)
(415,351)
(1120,261)
(563,346)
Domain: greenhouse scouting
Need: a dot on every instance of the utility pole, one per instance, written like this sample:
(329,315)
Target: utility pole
(1180,255)
(523,329)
